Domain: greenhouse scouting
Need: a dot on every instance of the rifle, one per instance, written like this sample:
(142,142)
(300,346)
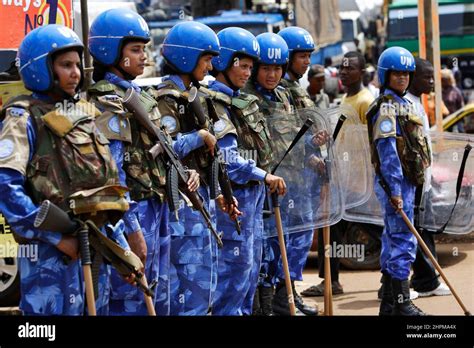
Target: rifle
(52,218)
(177,175)
(218,171)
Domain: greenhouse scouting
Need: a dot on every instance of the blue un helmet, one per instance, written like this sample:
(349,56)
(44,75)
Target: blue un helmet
(186,42)
(111,30)
(394,58)
(297,39)
(235,42)
(273,49)
(36,51)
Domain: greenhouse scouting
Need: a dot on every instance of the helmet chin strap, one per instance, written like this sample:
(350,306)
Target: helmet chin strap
(229,82)
(63,94)
(125,74)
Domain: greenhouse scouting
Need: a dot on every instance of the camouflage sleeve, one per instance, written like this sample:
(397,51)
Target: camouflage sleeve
(130,217)
(386,144)
(19,209)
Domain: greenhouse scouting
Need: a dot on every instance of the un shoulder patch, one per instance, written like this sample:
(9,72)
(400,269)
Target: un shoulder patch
(16,112)
(6,148)
(169,122)
(386,126)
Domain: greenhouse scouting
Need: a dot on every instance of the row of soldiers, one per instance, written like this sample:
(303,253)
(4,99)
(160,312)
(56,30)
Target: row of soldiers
(95,160)
(92,159)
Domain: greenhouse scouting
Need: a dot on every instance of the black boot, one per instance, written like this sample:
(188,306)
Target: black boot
(386,306)
(402,304)
(256,309)
(266,297)
(304,308)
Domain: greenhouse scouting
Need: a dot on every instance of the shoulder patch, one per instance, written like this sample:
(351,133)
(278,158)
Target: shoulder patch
(114,124)
(6,148)
(15,111)
(219,126)
(169,122)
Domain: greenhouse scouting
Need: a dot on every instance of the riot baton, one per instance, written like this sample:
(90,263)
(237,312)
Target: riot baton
(425,249)
(50,216)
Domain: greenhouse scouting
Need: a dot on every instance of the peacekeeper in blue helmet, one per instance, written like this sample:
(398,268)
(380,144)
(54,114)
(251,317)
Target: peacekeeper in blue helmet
(51,149)
(275,99)
(400,155)
(248,155)
(117,42)
(188,50)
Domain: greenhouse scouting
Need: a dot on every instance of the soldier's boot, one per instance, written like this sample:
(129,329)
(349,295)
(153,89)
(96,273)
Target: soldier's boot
(266,297)
(299,303)
(386,306)
(402,304)
(280,301)
(256,307)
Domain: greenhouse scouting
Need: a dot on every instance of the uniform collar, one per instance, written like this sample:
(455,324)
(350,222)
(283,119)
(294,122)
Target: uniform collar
(176,80)
(118,81)
(270,95)
(223,88)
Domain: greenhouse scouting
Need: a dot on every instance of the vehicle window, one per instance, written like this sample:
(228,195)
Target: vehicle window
(347,30)
(468,121)
(8,70)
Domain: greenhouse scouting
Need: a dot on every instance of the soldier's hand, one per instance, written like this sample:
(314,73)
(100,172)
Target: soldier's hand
(138,245)
(70,246)
(209,140)
(320,138)
(317,164)
(229,208)
(275,183)
(193,181)
(397,202)
(130,279)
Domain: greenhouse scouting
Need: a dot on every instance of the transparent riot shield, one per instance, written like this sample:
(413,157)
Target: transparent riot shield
(352,155)
(440,193)
(314,197)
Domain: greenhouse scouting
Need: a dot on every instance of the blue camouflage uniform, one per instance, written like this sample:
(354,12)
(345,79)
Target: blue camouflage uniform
(240,258)
(193,255)
(398,243)
(150,217)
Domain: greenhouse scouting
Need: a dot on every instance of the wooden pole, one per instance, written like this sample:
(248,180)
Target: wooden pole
(437,65)
(422,43)
(85,39)
(433,260)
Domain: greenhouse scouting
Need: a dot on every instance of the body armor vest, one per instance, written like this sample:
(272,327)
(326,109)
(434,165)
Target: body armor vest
(72,165)
(145,176)
(412,145)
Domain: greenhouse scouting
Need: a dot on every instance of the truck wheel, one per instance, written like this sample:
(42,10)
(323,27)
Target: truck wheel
(367,236)
(9,282)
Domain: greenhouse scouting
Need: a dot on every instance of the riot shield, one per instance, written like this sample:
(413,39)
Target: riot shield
(439,198)
(314,197)
(352,155)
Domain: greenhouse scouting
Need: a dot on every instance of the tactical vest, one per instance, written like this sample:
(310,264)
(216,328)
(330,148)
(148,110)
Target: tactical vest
(301,98)
(252,130)
(145,176)
(281,129)
(178,117)
(412,146)
(72,165)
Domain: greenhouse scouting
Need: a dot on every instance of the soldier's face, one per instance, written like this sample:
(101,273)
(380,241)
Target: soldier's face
(269,76)
(239,73)
(67,69)
(300,62)
(133,58)
(399,81)
(203,67)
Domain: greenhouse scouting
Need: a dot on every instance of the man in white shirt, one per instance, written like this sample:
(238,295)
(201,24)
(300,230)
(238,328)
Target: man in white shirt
(424,280)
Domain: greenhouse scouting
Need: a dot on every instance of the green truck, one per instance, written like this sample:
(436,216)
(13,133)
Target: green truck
(456,26)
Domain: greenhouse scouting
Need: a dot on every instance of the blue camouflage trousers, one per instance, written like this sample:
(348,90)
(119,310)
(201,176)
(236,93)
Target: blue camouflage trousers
(193,267)
(398,243)
(126,299)
(49,283)
(296,211)
(237,265)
